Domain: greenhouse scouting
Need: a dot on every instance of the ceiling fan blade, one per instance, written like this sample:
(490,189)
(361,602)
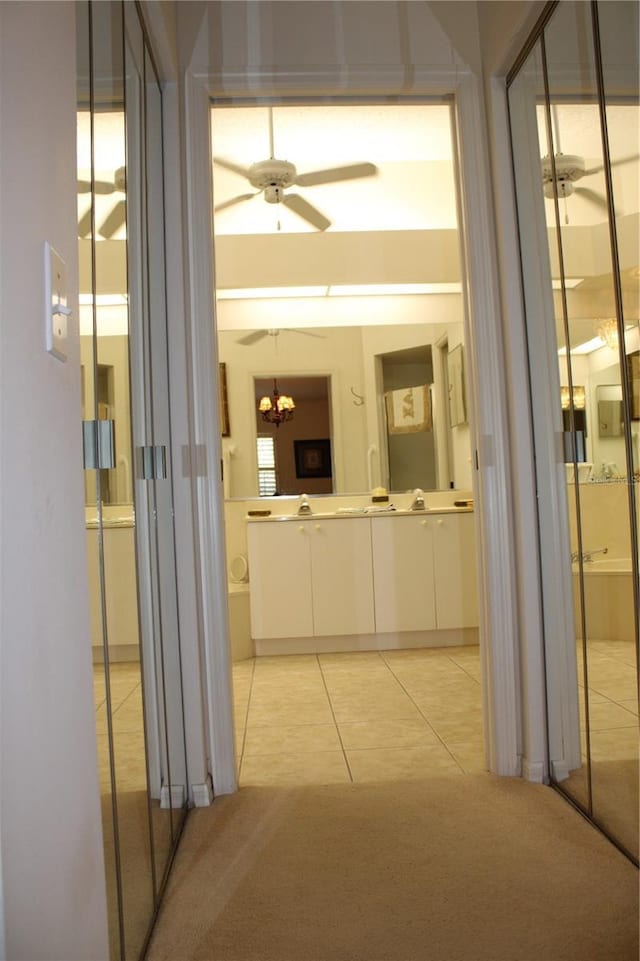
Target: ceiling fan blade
(100,187)
(114,220)
(230,165)
(234,200)
(84,225)
(591,195)
(614,163)
(253,337)
(333,174)
(307,211)
(307,333)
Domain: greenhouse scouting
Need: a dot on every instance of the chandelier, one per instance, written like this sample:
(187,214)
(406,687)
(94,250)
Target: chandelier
(277,408)
(607,330)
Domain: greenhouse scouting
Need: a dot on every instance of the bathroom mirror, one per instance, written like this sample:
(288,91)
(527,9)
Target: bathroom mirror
(365,265)
(358,363)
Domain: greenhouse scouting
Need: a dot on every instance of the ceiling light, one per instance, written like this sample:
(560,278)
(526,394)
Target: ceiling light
(269,293)
(570,283)
(391,290)
(587,347)
(276,409)
(608,331)
(336,290)
(103,300)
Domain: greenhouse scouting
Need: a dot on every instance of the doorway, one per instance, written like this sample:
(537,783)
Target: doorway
(349,280)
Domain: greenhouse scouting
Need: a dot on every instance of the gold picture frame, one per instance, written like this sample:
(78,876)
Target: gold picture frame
(223,401)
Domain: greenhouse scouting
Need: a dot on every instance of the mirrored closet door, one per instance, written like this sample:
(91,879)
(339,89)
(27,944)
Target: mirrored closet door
(575,122)
(129,515)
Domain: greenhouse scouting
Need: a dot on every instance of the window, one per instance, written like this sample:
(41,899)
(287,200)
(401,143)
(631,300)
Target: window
(267,476)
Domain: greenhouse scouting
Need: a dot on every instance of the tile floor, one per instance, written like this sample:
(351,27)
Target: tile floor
(369,716)
(126,706)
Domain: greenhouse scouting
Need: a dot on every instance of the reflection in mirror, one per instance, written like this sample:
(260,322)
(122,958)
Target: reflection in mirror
(359,262)
(591,649)
(364,365)
(294,455)
(131,552)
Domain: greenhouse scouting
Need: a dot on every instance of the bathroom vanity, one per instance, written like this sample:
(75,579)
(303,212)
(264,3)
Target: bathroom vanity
(339,581)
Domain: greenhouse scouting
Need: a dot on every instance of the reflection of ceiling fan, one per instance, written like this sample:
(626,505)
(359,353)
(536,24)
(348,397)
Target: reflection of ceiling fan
(257,335)
(272,177)
(569,169)
(116,217)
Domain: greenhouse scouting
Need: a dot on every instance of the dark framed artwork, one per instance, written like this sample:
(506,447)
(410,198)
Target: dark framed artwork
(223,402)
(633,373)
(313,458)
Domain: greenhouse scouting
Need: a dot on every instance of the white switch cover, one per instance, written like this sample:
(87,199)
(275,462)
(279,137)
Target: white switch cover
(55,303)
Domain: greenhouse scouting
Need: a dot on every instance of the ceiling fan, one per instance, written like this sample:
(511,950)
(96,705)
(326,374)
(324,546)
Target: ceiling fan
(117,216)
(273,177)
(569,169)
(257,335)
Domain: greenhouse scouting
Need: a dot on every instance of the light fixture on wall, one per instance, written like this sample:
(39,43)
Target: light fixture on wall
(607,330)
(579,398)
(277,408)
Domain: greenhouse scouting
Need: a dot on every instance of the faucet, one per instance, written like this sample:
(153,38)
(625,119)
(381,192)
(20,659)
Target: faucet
(418,500)
(304,507)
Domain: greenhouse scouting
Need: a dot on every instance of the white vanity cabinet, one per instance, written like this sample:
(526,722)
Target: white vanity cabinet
(455,577)
(280,580)
(404,594)
(425,572)
(393,575)
(310,578)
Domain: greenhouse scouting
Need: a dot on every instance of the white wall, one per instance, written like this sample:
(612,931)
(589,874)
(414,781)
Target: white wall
(50,834)
(338,355)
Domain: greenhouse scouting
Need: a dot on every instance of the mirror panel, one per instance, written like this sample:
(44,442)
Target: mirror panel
(589,405)
(129,514)
(354,359)
(93,485)
(380,273)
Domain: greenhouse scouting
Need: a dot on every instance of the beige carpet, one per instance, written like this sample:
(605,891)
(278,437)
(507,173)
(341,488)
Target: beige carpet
(470,868)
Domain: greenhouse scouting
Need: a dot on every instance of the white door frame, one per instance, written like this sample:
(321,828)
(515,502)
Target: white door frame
(487,384)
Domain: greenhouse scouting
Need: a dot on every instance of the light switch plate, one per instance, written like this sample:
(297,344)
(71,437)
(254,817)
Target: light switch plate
(56,309)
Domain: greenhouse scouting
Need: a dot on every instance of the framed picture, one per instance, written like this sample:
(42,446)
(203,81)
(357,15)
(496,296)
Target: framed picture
(223,403)
(457,399)
(313,458)
(633,373)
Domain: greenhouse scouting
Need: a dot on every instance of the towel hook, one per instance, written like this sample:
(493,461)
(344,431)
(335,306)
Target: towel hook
(359,401)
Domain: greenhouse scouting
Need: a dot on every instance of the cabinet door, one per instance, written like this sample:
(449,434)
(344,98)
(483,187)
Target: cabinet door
(280,579)
(403,574)
(455,571)
(342,577)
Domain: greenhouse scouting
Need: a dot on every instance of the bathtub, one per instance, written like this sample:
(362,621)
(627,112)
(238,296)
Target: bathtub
(239,621)
(609,599)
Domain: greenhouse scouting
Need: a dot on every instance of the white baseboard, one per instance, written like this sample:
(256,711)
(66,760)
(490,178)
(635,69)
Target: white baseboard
(173,798)
(366,642)
(560,770)
(202,794)
(533,771)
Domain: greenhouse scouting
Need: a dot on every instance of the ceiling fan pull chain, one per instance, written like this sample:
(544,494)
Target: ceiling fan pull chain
(271,146)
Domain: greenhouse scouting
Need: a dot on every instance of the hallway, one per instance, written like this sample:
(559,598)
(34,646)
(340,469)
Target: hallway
(449,868)
(358,717)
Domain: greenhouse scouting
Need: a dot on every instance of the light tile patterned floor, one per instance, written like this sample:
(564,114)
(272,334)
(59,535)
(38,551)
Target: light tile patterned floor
(318,719)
